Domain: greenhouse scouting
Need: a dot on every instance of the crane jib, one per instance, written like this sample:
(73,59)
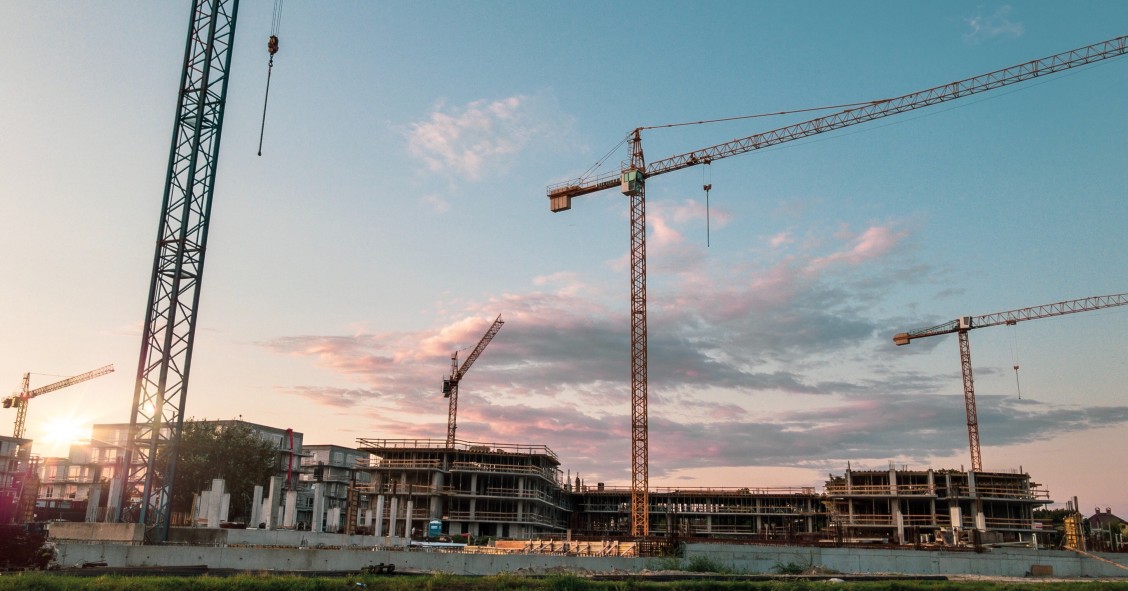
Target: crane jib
(1015,316)
(560,194)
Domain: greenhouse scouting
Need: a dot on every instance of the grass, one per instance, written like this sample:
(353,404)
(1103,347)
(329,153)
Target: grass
(503,582)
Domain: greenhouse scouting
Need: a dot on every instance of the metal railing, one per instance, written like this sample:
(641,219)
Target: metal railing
(374,445)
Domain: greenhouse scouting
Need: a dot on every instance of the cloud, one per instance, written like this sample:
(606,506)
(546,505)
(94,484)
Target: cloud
(435,203)
(874,242)
(998,24)
(483,136)
(780,239)
(786,362)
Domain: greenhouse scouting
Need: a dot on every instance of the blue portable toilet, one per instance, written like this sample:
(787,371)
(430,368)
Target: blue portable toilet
(434,528)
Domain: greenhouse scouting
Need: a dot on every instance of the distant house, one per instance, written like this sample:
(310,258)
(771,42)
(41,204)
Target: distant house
(1105,521)
(1106,532)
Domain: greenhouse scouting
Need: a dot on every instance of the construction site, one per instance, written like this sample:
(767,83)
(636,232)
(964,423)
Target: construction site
(449,504)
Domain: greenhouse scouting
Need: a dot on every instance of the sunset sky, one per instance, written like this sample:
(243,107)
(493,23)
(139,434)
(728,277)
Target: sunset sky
(399,206)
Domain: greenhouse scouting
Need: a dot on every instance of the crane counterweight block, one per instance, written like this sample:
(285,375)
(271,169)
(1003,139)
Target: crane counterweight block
(559,201)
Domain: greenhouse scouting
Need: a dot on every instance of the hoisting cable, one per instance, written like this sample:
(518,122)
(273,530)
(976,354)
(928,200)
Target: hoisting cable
(707,184)
(272,47)
(1014,359)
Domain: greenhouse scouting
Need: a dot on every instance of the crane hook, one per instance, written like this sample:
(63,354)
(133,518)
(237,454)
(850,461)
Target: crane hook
(272,48)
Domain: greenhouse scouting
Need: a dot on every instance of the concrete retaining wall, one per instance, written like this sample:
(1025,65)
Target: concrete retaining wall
(116,544)
(265,559)
(1004,562)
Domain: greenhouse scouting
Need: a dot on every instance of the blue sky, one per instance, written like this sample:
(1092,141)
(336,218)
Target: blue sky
(399,206)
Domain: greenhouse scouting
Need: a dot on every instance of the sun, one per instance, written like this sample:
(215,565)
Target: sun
(57,435)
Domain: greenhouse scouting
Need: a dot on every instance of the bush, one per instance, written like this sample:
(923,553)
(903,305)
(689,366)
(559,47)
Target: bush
(20,548)
(703,564)
(791,568)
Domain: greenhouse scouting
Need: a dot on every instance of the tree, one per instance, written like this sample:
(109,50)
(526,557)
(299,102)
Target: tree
(230,450)
(21,547)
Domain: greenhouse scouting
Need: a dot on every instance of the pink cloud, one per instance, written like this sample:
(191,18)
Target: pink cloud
(780,239)
(875,242)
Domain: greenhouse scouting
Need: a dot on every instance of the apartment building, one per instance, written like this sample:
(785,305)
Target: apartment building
(334,469)
(67,485)
(478,489)
(13,471)
(763,514)
(946,506)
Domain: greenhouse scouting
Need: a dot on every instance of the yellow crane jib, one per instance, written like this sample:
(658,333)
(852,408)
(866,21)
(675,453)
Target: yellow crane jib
(20,399)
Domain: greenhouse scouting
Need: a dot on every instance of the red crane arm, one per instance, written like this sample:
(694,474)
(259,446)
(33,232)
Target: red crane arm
(486,338)
(560,195)
(1014,316)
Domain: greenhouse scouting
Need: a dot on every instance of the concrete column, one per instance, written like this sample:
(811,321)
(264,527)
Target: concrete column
(368,519)
(973,488)
(318,508)
(256,508)
(199,507)
(92,501)
(215,499)
(392,517)
(225,508)
(113,504)
(436,507)
(379,524)
(407,525)
(290,510)
(273,497)
(333,520)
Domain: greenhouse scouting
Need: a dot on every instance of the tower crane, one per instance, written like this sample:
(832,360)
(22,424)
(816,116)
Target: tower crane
(963,324)
(450,384)
(168,335)
(632,176)
(20,399)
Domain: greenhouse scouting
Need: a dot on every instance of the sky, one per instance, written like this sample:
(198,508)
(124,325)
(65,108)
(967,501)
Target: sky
(399,206)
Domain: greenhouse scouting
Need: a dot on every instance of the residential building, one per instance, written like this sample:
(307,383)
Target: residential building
(334,469)
(66,484)
(747,513)
(15,458)
(478,489)
(948,506)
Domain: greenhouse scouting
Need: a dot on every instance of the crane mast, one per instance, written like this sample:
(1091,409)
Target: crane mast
(450,385)
(963,324)
(157,416)
(632,176)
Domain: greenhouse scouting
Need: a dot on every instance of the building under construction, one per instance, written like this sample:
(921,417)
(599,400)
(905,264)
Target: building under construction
(477,489)
(518,491)
(914,506)
(17,477)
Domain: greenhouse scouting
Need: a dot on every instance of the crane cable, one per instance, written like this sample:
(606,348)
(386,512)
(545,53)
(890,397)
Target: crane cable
(1014,359)
(707,184)
(272,48)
